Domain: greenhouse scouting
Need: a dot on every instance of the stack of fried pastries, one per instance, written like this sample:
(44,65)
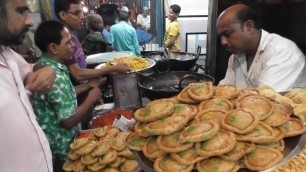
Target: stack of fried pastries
(102,150)
(207,128)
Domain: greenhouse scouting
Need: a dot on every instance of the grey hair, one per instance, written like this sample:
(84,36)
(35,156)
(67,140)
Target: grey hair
(94,22)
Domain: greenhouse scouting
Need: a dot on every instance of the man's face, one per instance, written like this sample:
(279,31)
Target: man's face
(145,12)
(16,24)
(172,15)
(233,36)
(65,49)
(74,17)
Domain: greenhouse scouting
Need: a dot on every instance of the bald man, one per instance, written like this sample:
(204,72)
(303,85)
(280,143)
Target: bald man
(258,57)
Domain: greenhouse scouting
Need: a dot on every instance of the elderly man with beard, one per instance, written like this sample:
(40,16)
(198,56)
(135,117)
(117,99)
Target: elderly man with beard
(258,57)
(23,145)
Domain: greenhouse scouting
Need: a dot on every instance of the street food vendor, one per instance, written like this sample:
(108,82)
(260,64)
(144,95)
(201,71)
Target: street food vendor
(258,57)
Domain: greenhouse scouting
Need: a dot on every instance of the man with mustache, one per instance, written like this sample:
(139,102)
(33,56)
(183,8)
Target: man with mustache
(258,57)
(23,145)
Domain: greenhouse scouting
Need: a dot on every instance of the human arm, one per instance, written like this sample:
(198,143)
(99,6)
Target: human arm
(93,96)
(89,85)
(136,43)
(40,80)
(171,42)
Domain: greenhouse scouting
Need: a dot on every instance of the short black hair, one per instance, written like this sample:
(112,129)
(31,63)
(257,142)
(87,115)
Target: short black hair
(63,5)
(124,16)
(109,21)
(48,32)
(246,14)
(175,8)
(94,22)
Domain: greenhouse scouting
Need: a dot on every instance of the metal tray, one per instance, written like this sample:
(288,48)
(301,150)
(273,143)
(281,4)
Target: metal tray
(293,146)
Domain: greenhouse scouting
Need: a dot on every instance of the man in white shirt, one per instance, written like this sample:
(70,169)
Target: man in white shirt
(143,20)
(258,57)
(23,145)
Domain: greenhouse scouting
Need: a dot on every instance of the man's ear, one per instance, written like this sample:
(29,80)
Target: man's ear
(249,25)
(52,48)
(62,15)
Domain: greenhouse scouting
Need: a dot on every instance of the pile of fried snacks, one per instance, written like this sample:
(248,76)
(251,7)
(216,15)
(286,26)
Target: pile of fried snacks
(135,63)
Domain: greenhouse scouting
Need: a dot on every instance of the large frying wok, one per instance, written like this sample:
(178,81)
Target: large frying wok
(168,84)
(181,61)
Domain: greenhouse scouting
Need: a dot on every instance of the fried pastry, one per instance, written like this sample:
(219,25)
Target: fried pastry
(92,136)
(117,143)
(173,100)
(279,133)
(109,157)
(201,91)
(262,158)
(294,127)
(226,91)
(262,133)
(126,152)
(185,109)
(269,92)
(135,142)
(187,157)
(300,111)
(211,114)
(88,148)
(123,135)
(68,165)
(138,127)
(117,162)
(101,149)
(109,169)
(283,106)
(279,145)
(167,164)
(297,95)
(113,132)
(184,97)
(154,111)
(95,166)
(78,143)
(278,117)
(221,143)
(241,149)
(216,164)
(73,156)
(151,150)
(167,125)
(78,166)
(216,104)
(129,166)
(259,105)
(171,143)
(240,121)
(199,132)
(100,132)
(89,159)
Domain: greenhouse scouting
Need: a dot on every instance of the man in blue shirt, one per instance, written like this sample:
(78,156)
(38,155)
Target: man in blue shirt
(123,36)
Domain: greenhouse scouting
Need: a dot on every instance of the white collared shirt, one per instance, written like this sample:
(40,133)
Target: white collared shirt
(278,63)
(144,21)
(23,145)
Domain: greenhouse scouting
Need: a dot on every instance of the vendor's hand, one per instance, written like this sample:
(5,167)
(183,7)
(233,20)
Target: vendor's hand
(96,82)
(120,68)
(41,80)
(94,95)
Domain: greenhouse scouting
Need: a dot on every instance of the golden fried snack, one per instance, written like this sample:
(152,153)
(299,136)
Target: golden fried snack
(88,148)
(117,162)
(259,105)
(100,132)
(138,127)
(126,152)
(279,145)
(279,133)
(109,157)
(171,143)
(185,109)
(211,114)
(78,166)
(154,111)
(167,125)
(184,97)
(240,121)
(199,132)
(92,136)
(135,63)
(123,135)
(101,149)
(262,158)
(173,100)
(113,132)
(249,91)
(201,91)
(73,156)
(78,143)
(117,143)
(278,117)
(216,104)
(88,159)
(260,134)
(151,150)
(109,169)
(129,166)
(241,149)
(294,127)
(95,166)
(221,143)
(269,92)
(226,91)
(300,111)
(135,142)
(283,106)
(217,164)
(167,164)
(187,157)
(68,165)
(297,95)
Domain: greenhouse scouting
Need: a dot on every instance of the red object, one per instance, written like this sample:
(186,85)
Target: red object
(109,117)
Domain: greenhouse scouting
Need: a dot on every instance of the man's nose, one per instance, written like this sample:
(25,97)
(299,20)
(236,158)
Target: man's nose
(223,40)
(28,20)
